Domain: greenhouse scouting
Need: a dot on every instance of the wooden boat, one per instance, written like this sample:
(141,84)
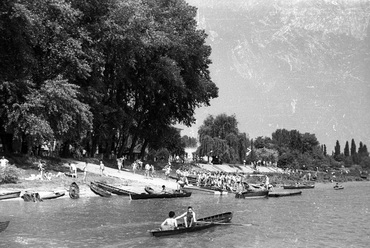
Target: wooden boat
(203,190)
(3,225)
(99,191)
(299,186)
(201,224)
(163,195)
(42,195)
(283,193)
(114,190)
(74,191)
(338,187)
(252,194)
(9,194)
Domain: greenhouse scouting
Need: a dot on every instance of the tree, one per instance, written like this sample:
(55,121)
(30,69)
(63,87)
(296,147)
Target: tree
(353,148)
(346,149)
(189,141)
(337,149)
(222,135)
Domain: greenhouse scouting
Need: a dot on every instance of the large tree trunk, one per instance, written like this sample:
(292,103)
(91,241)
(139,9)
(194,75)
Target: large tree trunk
(132,147)
(143,148)
(7,141)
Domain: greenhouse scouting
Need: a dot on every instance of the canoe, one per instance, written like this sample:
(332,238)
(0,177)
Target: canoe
(154,196)
(3,225)
(201,224)
(42,195)
(337,187)
(113,189)
(283,193)
(99,191)
(299,186)
(196,189)
(251,194)
(74,191)
(9,195)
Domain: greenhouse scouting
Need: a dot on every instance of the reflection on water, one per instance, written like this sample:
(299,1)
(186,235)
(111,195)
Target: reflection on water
(321,217)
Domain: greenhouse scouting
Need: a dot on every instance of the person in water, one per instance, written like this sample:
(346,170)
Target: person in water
(170,223)
(189,217)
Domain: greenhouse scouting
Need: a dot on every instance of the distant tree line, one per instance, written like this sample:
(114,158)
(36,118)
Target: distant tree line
(106,75)
(220,139)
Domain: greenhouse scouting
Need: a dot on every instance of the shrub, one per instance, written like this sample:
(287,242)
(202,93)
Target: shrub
(9,174)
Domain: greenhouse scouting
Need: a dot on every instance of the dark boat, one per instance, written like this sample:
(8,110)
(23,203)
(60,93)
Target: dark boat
(43,195)
(299,186)
(3,225)
(338,187)
(201,224)
(99,191)
(74,191)
(162,195)
(283,193)
(251,194)
(114,190)
(9,195)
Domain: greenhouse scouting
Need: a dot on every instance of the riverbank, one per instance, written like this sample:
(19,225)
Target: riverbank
(29,179)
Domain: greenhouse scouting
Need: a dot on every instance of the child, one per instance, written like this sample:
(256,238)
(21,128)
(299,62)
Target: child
(170,223)
(189,217)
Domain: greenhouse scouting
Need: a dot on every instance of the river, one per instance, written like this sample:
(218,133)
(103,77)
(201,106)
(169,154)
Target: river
(320,217)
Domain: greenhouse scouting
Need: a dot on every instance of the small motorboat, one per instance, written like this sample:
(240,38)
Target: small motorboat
(337,187)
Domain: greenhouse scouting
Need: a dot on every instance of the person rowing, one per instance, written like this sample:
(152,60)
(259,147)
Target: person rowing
(189,217)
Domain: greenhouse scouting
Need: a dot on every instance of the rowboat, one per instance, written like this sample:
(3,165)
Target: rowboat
(163,195)
(203,190)
(9,194)
(113,189)
(99,191)
(74,191)
(299,186)
(251,194)
(337,187)
(42,195)
(3,225)
(201,224)
(283,193)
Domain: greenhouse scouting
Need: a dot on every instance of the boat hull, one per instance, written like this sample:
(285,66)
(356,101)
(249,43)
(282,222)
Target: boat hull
(156,196)
(99,191)
(298,186)
(284,193)
(252,194)
(201,224)
(9,195)
(201,190)
(114,190)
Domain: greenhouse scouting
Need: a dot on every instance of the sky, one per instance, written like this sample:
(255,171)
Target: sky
(264,99)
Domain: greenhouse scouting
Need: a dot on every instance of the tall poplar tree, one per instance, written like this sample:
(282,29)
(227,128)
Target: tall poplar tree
(346,150)
(353,148)
(337,149)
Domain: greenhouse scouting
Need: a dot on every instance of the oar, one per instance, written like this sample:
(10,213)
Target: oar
(220,223)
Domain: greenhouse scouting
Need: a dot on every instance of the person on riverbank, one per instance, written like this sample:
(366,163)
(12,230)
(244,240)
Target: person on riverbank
(147,170)
(119,163)
(189,217)
(170,223)
(84,169)
(3,162)
(153,171)
(41,169)
(102,167)
(74,170)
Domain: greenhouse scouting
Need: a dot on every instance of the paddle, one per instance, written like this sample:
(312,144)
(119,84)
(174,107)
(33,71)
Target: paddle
(220,223)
